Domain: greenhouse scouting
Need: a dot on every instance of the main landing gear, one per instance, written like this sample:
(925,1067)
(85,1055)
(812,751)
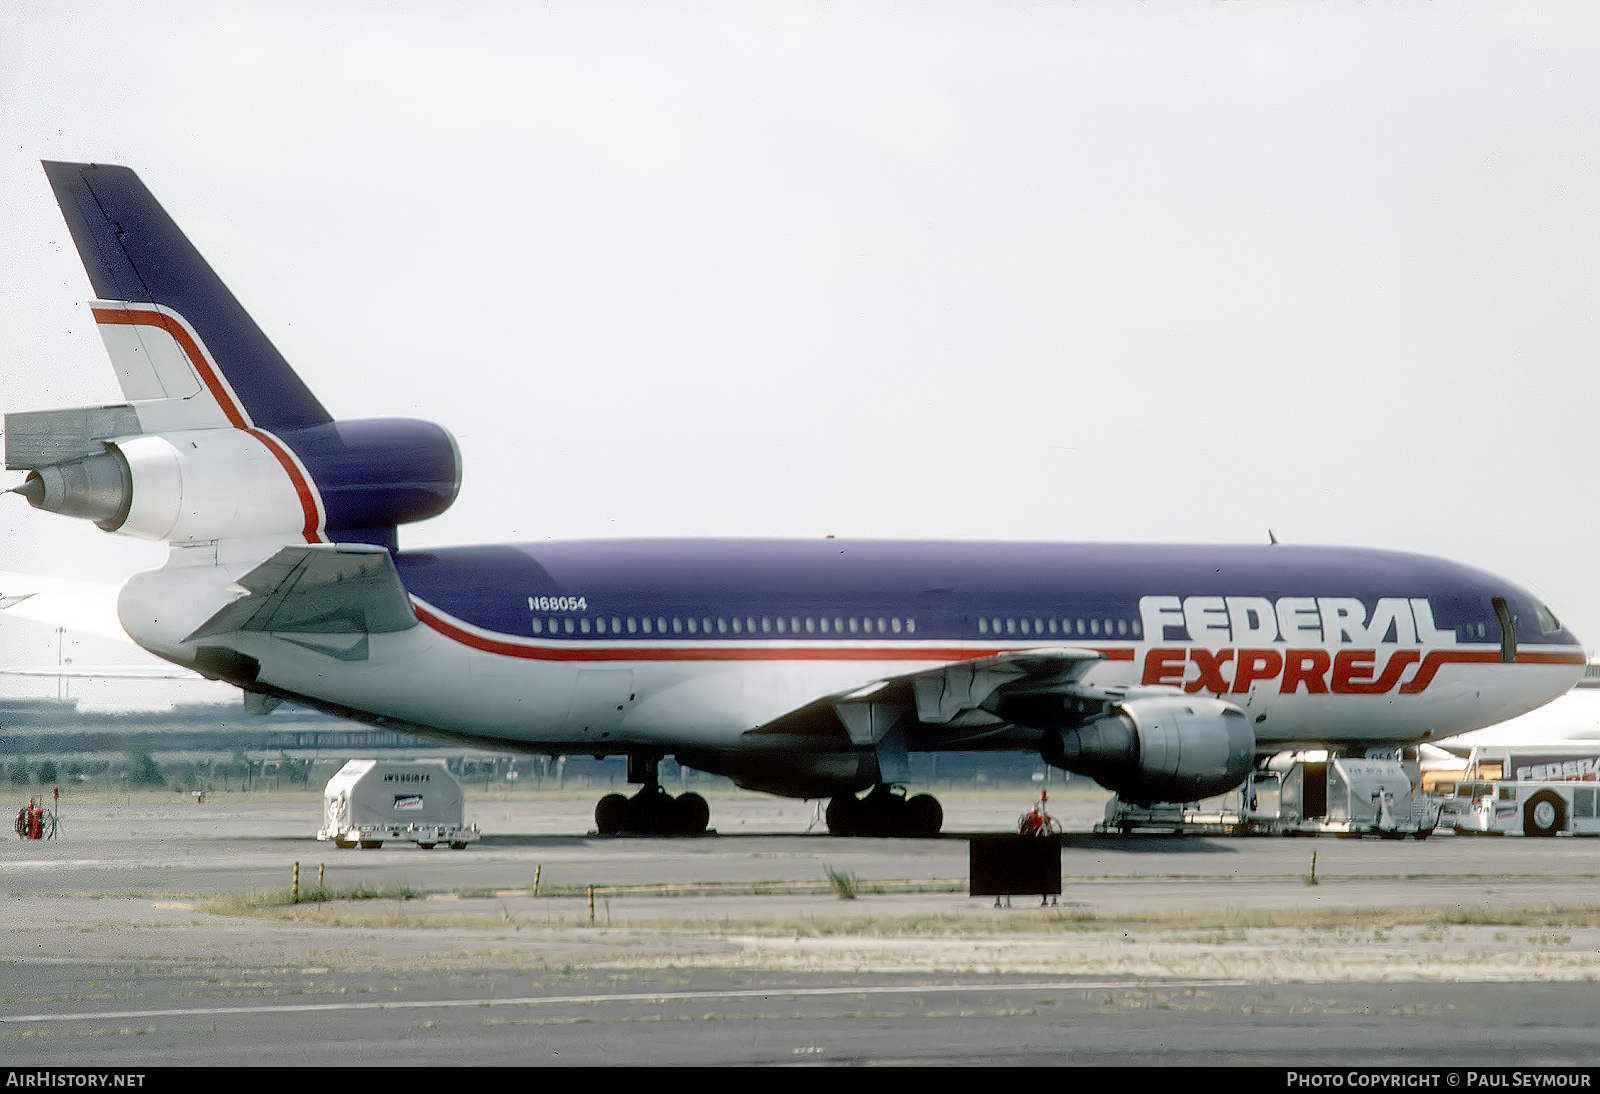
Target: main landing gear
(652,811)
(885,812)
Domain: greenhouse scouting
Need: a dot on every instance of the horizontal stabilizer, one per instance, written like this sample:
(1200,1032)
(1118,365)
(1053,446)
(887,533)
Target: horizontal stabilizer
(83,606)
(39,438)
(326,597)
(104,672)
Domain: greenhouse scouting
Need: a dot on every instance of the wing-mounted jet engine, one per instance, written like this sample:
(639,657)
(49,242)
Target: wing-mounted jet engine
(1158,747)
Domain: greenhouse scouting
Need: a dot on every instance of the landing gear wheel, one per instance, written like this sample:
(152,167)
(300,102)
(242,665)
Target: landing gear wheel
(427,846)
(611,814)
(883,812)
(924,816)
(694,815)
(844,816)
(652,812)
(371,844)
(344,844)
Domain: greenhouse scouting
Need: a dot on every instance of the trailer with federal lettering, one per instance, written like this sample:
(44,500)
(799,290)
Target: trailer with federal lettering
(370,802)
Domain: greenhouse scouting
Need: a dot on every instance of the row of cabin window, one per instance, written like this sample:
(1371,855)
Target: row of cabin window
(1104,628)
(765,625)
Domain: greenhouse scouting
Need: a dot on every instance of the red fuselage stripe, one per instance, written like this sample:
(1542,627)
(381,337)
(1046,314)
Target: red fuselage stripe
(302,486)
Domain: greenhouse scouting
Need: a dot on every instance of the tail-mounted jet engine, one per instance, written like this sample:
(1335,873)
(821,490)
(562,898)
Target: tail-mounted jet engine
(1159,748)
(353,480)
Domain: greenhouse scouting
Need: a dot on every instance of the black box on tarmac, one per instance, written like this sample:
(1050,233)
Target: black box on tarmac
(1014,866)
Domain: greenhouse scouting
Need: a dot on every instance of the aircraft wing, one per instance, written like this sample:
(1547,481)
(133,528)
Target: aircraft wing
(954,693)
(954,700)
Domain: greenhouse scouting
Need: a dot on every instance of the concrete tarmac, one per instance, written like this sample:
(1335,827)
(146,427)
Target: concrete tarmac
(1160,950)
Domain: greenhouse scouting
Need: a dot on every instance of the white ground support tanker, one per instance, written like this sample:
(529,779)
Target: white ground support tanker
(371,802)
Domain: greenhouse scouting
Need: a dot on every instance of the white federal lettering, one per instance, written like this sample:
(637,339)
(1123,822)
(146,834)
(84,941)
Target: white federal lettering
(1427,633)
(1298,619)
(1157,613)
(1344,619)
(1253,620)
(1392,613)
(1207,618)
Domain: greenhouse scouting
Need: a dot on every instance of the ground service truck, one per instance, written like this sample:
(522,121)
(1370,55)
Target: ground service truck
(1535,791)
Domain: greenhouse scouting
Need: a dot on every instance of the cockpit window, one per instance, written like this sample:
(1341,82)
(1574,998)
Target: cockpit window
(1548,623)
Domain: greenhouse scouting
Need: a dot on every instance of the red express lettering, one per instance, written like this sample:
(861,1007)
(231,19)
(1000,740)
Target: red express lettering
(1305,668)
(1210,665)
(1256,665)
(1314,671)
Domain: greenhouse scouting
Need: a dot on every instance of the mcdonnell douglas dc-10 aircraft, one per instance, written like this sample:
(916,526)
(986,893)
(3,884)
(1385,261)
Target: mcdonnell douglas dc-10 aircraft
(805,668)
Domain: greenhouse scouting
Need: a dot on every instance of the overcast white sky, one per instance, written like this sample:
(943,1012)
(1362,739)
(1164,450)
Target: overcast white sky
(1111,271)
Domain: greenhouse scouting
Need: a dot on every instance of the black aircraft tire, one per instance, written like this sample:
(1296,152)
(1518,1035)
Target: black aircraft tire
(1544,815)
(844,815)
(693,814)
(652,812)
(610,814)
(924,816)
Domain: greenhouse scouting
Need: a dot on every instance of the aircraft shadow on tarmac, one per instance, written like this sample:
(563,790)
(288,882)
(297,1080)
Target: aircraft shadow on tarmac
(1148,844)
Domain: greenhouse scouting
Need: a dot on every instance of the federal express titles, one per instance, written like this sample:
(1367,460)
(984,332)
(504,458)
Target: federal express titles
(1321,645)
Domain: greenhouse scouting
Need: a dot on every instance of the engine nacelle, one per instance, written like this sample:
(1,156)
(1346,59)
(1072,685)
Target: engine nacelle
(1168,748)
(360,477)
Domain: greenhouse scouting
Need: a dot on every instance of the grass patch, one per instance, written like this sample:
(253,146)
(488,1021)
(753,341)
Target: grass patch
(267,901)
(842,881)
(478,906)
(1543,915)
